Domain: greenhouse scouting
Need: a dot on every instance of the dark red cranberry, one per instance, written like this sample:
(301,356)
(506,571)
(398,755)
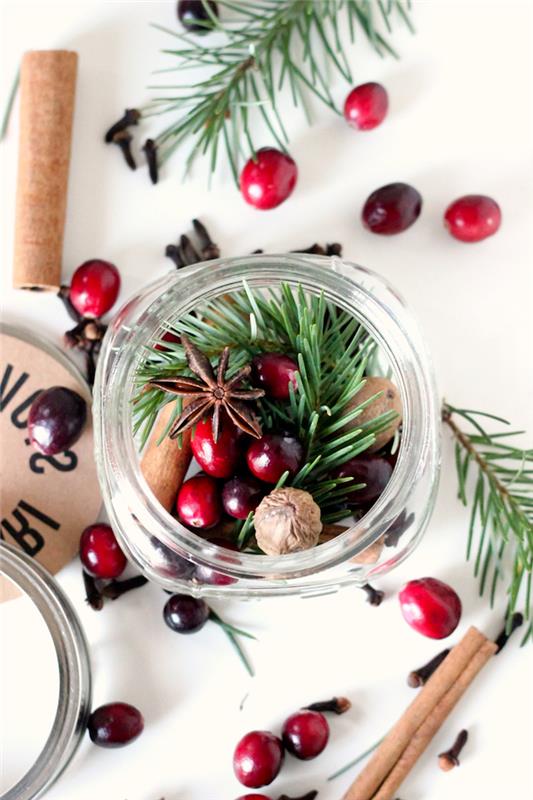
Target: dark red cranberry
(56,420)
(240,496)
(168,562)
(258,758)
(305,734)
(366,106)
(100,552)
(372,470)
(273,454)
(205,574)
(473,217)
(115,725)
(431,607)
(269,180)
(274,372)
(169,337)
(198,502)
(185,614)
(219,458)
(194,16)
(392,209)
(94,288)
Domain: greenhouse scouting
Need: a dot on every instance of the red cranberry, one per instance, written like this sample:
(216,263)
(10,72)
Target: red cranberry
(94,288)
(268,181)
(392,209)
(115,725)
(169,337)
(274,372)
(431,607)
(269,457)
(219,458)
(366,106)
(372,470)
(240,496)
(194,16)
(100,552)
(185,614)
(473,217)
(56,420)
(305,734)
(198,502)
(258,758)
(205,574)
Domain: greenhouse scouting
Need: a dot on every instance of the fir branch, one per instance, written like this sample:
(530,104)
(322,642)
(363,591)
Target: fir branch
(501,507)
(266,47)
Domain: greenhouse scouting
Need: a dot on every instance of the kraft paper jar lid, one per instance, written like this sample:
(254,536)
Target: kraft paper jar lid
(46,501)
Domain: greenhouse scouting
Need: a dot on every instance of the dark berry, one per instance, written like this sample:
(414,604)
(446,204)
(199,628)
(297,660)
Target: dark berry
(269,180)
(198,502)
(115,725)
(94,288)
(366,106)
(272,455)
(431,607)
(100,552)
(240,496)
(473,217)
(219,458)
(194,16)
(274,372)
(205,574)
(168,562)
(258,758)
(372,470)
(305,734)
(56,420)
(185,614)
(392,209)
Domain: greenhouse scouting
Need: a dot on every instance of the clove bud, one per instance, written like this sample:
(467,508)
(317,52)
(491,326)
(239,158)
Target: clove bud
(309,796)
(123,139)
(115,589)
(93,595)
(373,596)
(501,640)
(418,677)
(150,149)
(450,759)
(131,117)
(338,705)
(209,249)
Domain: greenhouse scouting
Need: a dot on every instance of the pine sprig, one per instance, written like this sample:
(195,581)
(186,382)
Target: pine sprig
(332,350)
(501,508)
(266,46)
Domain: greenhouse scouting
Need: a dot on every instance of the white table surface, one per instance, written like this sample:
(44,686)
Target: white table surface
(460,122)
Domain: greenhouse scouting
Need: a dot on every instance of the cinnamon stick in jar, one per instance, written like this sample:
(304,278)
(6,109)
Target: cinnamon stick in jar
(47,90)
(165,465)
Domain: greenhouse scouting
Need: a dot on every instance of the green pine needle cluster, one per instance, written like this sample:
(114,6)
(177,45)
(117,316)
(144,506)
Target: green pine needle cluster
(332,350)
(267,46)
(498,477)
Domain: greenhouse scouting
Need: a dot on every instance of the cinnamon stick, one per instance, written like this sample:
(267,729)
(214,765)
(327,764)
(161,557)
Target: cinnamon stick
(369,556)
(395,742)
(47,88)
(428,729)
(165,465)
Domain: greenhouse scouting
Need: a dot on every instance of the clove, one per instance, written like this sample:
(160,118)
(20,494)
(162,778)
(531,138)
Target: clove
(64,296)
(93,596)
(124,139)
(334,249)
(309,796)
(150,149)
(450,758)
(115,589)
(131,117)
(86,336)
(418,677)
(373,596)
(208,248)
(338,705)
(501,640)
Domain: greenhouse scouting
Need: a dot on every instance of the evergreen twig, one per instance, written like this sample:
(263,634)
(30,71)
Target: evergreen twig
(501,507)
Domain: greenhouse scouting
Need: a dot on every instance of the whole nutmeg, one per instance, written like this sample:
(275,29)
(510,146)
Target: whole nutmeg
(388,400)
(286,521)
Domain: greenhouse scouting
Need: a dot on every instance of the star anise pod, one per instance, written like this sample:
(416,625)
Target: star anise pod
(211,392)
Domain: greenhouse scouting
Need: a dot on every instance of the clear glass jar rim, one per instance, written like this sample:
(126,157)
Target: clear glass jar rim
(394,330)
(74,705)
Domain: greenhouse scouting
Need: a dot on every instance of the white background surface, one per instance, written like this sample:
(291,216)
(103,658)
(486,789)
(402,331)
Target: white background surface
(460,122)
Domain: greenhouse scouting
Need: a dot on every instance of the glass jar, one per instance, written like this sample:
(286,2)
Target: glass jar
(373,545)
